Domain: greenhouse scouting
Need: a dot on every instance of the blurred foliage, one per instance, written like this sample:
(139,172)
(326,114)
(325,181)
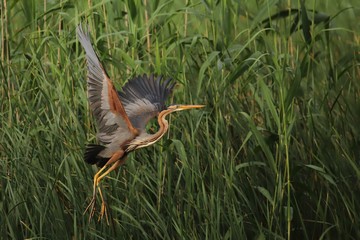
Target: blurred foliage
(275,154)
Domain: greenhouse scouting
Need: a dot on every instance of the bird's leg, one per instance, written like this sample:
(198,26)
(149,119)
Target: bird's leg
(93,200)
(103,204)
(114,159)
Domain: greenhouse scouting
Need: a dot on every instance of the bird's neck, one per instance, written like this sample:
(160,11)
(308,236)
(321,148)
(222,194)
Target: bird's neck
(146,139)
(163,125)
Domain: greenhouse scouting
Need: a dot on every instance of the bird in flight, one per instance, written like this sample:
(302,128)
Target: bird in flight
(122,117)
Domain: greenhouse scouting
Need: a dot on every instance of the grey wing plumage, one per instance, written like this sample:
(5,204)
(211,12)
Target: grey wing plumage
(144,97)
(113,123)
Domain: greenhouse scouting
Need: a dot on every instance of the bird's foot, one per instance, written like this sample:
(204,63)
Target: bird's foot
(91,207)
(104,211)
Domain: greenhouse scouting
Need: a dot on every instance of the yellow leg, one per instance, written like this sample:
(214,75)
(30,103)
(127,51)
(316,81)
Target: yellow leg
(92,202)
(114,159)
(112,168)
(103,204)
(96,178)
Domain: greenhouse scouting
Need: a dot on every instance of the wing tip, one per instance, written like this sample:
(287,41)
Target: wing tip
(83,33)
(146,82)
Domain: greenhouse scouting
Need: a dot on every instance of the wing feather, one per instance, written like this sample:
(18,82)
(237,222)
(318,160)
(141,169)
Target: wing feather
(144,97)
(114,125)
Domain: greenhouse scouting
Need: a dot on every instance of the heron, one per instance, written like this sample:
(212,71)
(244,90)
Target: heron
(121,116)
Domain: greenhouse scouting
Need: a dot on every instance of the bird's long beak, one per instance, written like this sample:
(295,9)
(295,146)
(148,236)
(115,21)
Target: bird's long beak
(185,107)
(176,108)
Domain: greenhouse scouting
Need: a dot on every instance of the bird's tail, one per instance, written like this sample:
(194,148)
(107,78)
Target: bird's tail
(91,154)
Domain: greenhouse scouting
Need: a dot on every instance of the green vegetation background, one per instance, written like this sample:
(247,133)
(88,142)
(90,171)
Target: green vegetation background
(275,154)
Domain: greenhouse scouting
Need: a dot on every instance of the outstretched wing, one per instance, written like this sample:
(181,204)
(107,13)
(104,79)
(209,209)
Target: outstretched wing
(144,97)
(114,125)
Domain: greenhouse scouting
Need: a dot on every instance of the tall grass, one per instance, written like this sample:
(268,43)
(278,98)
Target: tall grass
(275,154)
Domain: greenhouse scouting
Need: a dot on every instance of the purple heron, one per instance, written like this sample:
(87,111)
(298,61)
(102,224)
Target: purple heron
(122,117)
